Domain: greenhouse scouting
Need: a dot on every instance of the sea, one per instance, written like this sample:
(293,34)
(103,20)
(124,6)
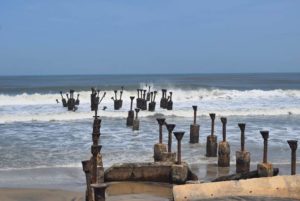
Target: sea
(43,144)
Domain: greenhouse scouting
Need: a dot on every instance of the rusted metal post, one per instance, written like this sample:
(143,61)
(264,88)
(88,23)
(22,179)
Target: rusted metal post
(99,191)
(242,157)
(160,148)
(161,122)
(242,128)
(293,145)
(211,141)
(170,128)
(265,135)
(224,147)
(194,128)
(265,169)
(179,136)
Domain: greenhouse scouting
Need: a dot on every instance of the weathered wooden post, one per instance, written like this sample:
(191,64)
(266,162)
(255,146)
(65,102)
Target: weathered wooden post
(136,121)
(86,168)
(95,150)
(170,102)
(160,148)
(224,147)
(293,145)
(99,191)
(194,128)
(265,169)
(243,156)
(211,142)
(130,116)
(179,136)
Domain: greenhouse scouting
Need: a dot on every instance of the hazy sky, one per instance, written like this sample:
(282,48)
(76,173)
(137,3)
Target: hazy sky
(149,36)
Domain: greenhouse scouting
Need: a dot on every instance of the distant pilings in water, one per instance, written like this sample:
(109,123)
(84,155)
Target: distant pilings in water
(118,102)
(70,103)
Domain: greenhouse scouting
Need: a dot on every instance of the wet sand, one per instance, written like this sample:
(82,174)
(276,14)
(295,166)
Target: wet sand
(125,191)
(36,185)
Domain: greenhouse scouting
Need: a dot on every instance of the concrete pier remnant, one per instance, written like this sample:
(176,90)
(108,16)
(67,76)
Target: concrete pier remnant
(194,128)
(211,142)
(136,121)
(179,135)
(130,117)
(160,148)
(87,171)
(265,169)
(224,147)
(242,156)
(293,145)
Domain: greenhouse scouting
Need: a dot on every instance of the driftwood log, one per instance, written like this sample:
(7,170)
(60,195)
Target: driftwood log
(238,176)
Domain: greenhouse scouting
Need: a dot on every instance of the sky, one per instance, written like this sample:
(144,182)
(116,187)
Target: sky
(148,36)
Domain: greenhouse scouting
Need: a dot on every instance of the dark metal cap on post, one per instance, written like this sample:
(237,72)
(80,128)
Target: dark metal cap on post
(212,116)
(178,135)
(161,121)
(170,127)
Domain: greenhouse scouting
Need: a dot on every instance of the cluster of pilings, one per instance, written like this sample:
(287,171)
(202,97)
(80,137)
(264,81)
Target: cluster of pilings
(71,103)
(163,152)
(93,168)
(118,102)
(166,102)
(222,149)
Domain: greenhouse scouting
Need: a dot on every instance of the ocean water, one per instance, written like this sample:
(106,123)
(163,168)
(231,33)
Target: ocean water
(36,132)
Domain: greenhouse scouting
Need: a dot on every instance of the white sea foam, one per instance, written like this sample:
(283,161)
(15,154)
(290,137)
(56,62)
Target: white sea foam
(43,107)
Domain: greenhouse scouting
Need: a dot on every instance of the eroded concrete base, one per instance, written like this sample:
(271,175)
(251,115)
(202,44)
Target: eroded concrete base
(279,186)
(152,172)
